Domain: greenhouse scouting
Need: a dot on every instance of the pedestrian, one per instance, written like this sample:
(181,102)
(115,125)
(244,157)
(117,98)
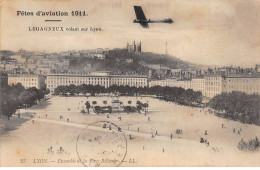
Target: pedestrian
(130,137)
(156,133)
(61,150)
(238,132)
(206,132)
(110,128)
(171,135)
(68,120)
(138,129)
(201,140)
(234,130)
(163,149)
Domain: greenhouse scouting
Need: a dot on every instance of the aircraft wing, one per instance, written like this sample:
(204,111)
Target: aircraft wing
(144,24)
(139,13)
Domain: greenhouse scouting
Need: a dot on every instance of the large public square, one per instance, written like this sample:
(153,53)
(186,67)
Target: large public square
(49,134)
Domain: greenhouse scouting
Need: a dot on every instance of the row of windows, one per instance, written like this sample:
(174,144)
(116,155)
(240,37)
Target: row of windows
(212,83)
(75,78)
(243,80)
(215,89)
(23,79)
(236,87)
(87,78)
(213,78)
(84,82)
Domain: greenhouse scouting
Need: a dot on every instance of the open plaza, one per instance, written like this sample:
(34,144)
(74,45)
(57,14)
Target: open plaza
(167,134)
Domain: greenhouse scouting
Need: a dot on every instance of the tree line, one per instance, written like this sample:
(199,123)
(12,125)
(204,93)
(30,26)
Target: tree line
(173,94)
(16,96)
(238,106)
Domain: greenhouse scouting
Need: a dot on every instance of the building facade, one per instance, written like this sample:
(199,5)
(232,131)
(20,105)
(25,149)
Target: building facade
(249,84)
(55,80)
(134,48)
(185,83)
(129,80)
(102,79)
(27,80)
(198,84)
(213,85)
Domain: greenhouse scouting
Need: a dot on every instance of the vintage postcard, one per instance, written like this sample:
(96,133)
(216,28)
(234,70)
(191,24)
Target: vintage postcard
(130,83)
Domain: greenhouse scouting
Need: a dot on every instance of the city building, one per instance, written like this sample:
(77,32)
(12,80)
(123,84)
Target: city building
(173,82)
(130,80)
(134,47)
(97,78)
(65,54)
(198,84)
(249,84)
(184,83)
(99,55)
(55,80)
(27,80)
(162,83)
(213,85)
(19,58)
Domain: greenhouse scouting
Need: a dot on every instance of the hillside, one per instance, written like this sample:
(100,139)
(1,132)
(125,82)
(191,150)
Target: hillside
(116,61)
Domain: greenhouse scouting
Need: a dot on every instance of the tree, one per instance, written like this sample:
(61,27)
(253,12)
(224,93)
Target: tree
(8,107)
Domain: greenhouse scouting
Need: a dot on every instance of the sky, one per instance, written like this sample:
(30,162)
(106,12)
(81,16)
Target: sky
(210,32)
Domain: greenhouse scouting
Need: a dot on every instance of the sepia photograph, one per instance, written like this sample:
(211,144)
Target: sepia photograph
(130,83)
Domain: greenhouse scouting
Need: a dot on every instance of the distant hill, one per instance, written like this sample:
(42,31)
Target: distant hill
(6,53)
(116,61)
